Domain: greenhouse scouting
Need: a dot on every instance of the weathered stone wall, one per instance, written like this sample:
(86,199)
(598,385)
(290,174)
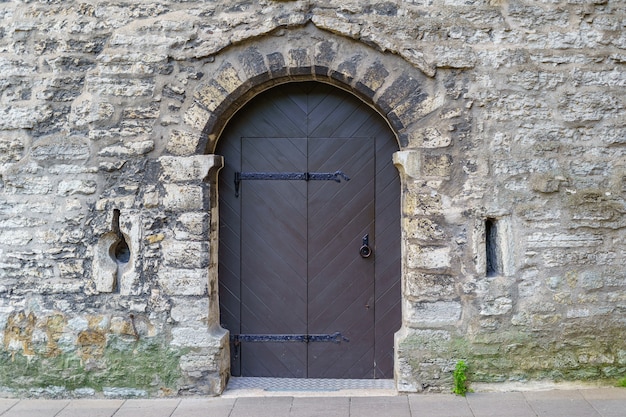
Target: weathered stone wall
(510,117)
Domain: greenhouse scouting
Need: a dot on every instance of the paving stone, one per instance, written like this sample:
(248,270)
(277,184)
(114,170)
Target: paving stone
(36,408)
(440,405)
(560,404)
(328,406)
(379,406)
(148,408)
(6,404)
(609,402)
(508,404)
(202,407)
(268,407)
(91,408)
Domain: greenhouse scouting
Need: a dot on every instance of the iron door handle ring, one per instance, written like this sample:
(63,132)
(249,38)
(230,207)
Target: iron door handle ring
(365,250)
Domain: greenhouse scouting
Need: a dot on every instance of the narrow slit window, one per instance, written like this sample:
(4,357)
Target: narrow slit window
(492,248)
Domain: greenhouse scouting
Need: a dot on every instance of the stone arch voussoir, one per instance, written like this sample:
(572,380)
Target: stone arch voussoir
(400,92)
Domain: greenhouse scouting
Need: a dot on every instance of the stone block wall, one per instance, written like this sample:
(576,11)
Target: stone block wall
(510,120)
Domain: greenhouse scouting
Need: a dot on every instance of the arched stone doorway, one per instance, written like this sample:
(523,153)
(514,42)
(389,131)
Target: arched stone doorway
(417,109)
(309,258)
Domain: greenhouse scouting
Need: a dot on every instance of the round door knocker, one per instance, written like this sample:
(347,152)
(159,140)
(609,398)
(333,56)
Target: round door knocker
(365,250)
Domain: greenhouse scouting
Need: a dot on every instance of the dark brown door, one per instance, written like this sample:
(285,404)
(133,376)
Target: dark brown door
(290,265)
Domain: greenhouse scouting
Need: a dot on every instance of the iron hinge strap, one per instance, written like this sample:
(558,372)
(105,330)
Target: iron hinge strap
(336,337)
(289,176)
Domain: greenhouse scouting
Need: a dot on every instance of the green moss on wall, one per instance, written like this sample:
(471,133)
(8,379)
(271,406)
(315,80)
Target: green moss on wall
(145,364)
(510,356)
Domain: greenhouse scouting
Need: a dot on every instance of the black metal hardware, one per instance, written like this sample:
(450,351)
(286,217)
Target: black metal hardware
(302,176)
(365,250)
(336,337)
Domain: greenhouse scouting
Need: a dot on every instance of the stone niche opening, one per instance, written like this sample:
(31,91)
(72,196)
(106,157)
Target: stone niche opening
(492,248)
(114,257)
(498,250)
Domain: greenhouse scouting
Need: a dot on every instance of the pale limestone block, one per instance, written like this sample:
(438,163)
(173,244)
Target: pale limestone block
(496,307)
(128,275)
(183,197)
(408,163)
(192,226)
(336,25)
(437,165)
(423,228)
(24,117)
(429,287)
(194,311)
(104,267)
(33,185)
(563,240)
(182,143)
(12,147)
(86,110)
(127,201)
(185,254)
(228,78)
(72,187)
(72,267)
(210,96)
(197,337)
(17,237)
(59,149)
(431,138)
(453,57)
(438,313)
(178,281)
(112,85)
(187,168)
(127,149)
(420,203)
(196,117)
(425,257)
(589,106)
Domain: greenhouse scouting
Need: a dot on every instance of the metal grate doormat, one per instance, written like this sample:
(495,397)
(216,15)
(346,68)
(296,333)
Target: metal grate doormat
(304,384)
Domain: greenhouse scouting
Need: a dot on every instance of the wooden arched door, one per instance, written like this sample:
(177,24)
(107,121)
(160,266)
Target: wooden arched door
(307,189)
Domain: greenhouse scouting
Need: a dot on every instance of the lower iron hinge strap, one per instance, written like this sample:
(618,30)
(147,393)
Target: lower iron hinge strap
(336,337)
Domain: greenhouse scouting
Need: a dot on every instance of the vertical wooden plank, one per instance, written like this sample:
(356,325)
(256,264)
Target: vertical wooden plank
(341,282)
(273,257)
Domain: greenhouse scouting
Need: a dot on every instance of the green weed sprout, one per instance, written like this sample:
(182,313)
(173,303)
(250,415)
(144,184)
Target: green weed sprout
(460,379)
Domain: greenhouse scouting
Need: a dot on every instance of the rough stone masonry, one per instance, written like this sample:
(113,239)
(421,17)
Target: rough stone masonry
(510,119)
